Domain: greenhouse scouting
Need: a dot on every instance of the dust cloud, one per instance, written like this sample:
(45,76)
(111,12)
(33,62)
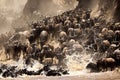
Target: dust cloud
(9,11)
(20,13)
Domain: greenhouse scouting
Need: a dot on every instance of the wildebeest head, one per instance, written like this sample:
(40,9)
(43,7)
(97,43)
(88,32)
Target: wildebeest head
(117,54)
(43,36)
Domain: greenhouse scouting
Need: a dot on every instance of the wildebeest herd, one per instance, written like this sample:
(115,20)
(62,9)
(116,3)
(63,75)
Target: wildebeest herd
(13,71)
(50,40)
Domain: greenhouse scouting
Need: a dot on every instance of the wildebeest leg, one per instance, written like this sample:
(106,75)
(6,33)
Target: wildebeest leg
(42,43)
(7,56)
(112,66)
(106,68)
(8,52)
(15,55)
(18,55)
(24,55)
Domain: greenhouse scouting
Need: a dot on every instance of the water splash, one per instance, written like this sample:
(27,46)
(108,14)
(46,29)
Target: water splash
(77,62)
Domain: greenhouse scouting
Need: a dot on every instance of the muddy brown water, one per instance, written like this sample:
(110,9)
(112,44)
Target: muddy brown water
(85,76)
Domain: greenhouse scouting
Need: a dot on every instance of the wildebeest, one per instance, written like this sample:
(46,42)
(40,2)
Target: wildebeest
(62,36)
(50,61)
(71,33)
(44,36)
(8,50)
(92,67)
(116,56)
(10,72)
(106,63)
(117,35)
(13,49)
(104,46)
(53,73)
